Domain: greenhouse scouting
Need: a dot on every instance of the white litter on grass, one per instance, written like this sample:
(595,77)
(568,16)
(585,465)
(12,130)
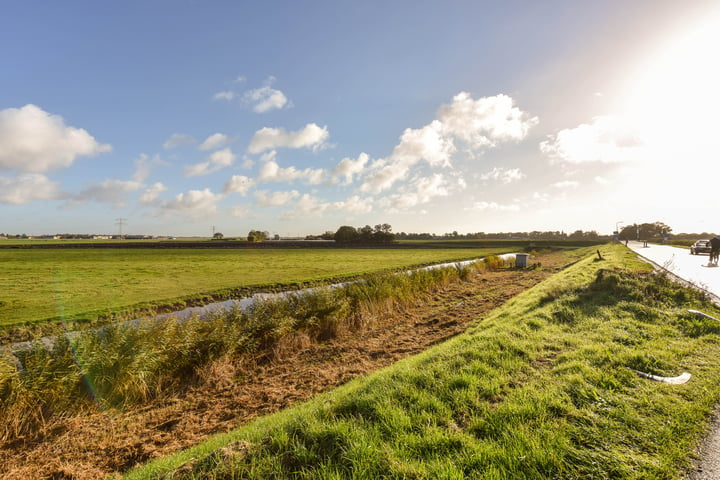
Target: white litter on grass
(680,379)
(705,315)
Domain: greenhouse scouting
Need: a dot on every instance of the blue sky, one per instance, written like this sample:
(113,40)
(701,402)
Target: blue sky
(299,117)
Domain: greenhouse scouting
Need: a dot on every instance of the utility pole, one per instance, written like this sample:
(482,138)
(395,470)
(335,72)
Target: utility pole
(120,222)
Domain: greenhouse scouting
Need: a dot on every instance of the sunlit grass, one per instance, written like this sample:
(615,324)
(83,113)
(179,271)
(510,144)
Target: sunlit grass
(543,387)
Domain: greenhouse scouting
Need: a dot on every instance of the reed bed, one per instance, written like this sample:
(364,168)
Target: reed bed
(130,363)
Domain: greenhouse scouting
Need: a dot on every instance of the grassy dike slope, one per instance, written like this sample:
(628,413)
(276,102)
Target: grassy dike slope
(543,387)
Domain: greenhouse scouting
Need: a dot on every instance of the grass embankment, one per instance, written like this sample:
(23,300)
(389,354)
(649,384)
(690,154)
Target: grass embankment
(39,286)
(542,388)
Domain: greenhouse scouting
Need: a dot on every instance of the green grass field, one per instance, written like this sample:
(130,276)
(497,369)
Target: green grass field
(39,285)
(543,387)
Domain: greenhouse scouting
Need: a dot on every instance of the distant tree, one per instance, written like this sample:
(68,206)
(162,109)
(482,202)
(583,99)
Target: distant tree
(346,234)
(383,233)
(257,236)
(644,231)
(366,233)
(217,236)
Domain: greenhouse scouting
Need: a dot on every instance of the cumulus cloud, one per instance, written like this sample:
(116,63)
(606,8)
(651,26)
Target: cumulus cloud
(195,203)
(605,140)
(27,188)
(216,161)
(275,199)
(421,191)
(270,171)
(348,168)
(144,165)
(486,121)
(503,175)
(428,143)
(354,204)
(239,184)
(264,99)
(109,191)
(151,194)
(216,140)
(477,124)
(311,136)
(32,140)
(178,140)
(305,206)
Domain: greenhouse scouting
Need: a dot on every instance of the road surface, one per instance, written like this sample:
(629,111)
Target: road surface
(678,261)
(694,269)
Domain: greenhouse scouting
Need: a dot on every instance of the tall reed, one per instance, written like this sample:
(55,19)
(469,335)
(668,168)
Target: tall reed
(133,362)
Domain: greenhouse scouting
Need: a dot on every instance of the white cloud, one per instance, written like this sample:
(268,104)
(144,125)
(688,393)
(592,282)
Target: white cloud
(109,191)
(479,124)
(305,206)
(240,211)
(264,99)
(421,191)
(142,168)
(178,140)
(239,184)
(503,175)
(481,206)
(216,161)
(354,204)
(216,140)
(566,184)
(486,121)
(275,199)
(347,168)
(427,143)
(151,194)
(27,188)
(195,203)
(385,176)
(32,140)
(225,95)
(605,140)
(311,136)
(601,180)
(270,171)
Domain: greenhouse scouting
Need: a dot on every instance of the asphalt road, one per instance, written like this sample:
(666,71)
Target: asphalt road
(694,269)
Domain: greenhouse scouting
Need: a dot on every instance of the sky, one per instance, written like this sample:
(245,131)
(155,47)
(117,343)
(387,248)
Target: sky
(186,118)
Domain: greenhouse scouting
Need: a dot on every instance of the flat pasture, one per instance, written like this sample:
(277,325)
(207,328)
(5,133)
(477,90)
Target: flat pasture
(81,284)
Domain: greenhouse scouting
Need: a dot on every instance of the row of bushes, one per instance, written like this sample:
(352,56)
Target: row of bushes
(129,363)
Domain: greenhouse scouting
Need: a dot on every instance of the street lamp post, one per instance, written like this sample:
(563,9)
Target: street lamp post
(617,230)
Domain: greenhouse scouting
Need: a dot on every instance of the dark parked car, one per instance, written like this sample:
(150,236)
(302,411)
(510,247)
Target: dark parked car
(701,246)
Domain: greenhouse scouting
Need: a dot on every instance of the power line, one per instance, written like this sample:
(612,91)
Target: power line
(120,222)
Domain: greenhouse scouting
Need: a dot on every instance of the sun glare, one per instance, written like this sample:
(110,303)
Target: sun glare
(674,98)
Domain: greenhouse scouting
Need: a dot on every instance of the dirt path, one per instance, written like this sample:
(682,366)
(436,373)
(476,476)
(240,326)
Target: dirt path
(231,392)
